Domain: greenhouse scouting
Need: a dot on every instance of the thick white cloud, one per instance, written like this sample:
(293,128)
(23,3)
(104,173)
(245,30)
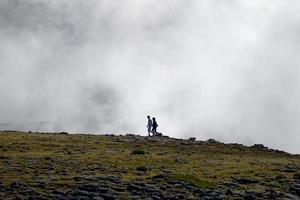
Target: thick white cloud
(222,69)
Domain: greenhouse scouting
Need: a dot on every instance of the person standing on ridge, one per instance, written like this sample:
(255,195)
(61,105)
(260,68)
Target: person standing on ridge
(149,125)
(154,126)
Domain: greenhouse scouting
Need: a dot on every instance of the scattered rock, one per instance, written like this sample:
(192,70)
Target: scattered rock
(246,180)
(259,146)
(51,175)
(3,157)
(288,168)
(297,176)
(159,176)
(271,194)
(97,198)
(112,179)
(212,141)
(295,189)
(89,187)
(79,192)
(142,168)
(60,197)
(16,184)
(108,196)
(288,196)
(252,195)
(159,134)
(229,192)
(135,187)
(3,188)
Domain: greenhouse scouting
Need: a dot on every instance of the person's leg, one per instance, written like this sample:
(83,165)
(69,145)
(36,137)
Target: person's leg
(154,130)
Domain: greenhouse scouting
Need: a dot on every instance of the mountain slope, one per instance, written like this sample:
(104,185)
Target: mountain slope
(77,166)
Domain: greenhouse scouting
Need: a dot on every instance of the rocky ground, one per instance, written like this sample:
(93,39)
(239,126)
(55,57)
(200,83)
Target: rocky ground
(74,166)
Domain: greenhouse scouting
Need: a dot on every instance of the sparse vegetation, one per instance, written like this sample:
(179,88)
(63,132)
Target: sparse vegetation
(142,168)
(297,176)
(199,183)
(138,151)
(57,159)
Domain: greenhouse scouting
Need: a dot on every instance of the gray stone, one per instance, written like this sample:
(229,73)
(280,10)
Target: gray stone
(271,194)
(16,185)
(295,189)
(90,187)
(288,196)
(40,184)
(27,191)
(134,197)
(131,187)
(212,141)
(80,178)
(2,188)
(102,189)
(155,197)
(78,197)
(229,192)
(97,198)
(289,168)
(112,179)
(78,192)
(246,180)
(60,197)
(297,176)
(249,196)
(62,192)
(159,176)
(108,196)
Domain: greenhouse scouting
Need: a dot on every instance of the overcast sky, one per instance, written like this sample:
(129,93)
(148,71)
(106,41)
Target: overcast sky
(227,70)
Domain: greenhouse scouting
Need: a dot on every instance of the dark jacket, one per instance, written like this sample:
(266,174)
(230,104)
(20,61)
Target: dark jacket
(154,125)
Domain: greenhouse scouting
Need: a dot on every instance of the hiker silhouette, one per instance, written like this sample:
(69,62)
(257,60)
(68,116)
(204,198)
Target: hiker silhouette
(149,125)
(154,126)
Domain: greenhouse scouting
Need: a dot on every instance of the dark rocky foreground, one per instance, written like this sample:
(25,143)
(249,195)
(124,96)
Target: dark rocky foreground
(110,187)
(157,187)
(64,166)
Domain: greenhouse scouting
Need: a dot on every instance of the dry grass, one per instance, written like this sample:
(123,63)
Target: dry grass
(24,156)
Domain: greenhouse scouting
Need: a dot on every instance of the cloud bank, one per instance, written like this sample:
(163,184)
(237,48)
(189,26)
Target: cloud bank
(219,69)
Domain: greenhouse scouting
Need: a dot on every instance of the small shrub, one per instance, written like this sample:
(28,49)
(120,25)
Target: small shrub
(297,176)
(199,183)
(138,152)
(212,141)
(142,168)
(47,158)
(63,133)
(279,177)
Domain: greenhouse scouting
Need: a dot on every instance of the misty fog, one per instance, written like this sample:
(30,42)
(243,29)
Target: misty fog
(227,70)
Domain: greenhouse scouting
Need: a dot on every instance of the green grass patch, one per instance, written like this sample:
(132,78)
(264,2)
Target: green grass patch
(138,152)
(142,168)
(196,182)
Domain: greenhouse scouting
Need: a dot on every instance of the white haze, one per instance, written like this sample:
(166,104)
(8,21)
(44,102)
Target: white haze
(227,70)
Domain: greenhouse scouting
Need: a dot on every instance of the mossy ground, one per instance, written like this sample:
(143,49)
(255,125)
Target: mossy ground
(199,183)
(27,156)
